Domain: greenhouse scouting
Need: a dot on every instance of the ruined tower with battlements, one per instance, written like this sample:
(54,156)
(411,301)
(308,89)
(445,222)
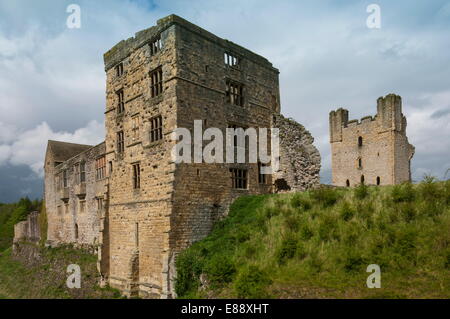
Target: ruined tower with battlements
(127,196)
(374,150)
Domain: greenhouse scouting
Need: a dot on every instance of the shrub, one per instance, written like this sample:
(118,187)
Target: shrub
(408,212)
(325,196)
(291,223)
(361,191)
(287,249)
(251,283)
(306,232)
(346,212)
(403,193)
(429,189)
(220,269)
(189,269)
(297,201)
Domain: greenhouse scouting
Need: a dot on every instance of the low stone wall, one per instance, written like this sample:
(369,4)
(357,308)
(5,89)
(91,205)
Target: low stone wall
(28,230)
(299,158)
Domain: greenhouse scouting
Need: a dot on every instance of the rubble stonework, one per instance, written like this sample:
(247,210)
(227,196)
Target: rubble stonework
(299,158)
(140,230)
(373,151)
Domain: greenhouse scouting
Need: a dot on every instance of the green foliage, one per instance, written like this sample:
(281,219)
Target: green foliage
(251,283)
(287,249)
(325,196)
(403,193)
(276,245)
(220,269)
(361,191)
(11,214)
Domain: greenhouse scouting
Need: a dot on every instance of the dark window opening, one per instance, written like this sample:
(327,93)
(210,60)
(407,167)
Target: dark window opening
(359,162)
(136,176)
(347,183)
(76,231)
(378,180)
(156,82)
(239,178)
(82,172)
(120,142)
(155,45)
(65,179)
(121,102)
(234,93)
(360,141)
(362,179)
(262,178)
(156,133)
(119,69)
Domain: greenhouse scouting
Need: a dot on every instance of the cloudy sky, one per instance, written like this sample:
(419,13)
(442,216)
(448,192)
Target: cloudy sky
(52,81)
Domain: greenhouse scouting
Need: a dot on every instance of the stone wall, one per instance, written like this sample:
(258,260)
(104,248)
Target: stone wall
(27,230)
(73,212)
(299,158)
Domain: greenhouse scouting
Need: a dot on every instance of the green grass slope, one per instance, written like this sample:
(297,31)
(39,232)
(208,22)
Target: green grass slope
(318,244)
(45,274)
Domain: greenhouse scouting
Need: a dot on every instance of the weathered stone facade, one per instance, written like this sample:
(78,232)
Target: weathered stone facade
(165,78)
(373,151)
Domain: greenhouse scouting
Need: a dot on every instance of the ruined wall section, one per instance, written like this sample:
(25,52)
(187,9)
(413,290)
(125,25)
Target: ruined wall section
(28,230)
(75,218)
(299,158)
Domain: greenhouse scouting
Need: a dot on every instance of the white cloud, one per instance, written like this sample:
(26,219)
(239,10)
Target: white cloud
(29,146)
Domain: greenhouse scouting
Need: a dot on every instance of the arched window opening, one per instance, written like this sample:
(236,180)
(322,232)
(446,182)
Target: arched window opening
(76,231)
(378,180)
(347,183)
(359,162)
(360,141)
(362,179)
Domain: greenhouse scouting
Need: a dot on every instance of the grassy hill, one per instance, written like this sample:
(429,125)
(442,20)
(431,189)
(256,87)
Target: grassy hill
(318,244)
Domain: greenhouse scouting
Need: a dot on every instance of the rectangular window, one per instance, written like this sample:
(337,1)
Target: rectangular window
(156,129)
(100,168)
(58,182)
(262,178)
(99,203)
(120,102)
(120,142)
(136,176)
(65,179)
(119,69)
(82,207)
(155,46)
(234,93)
(239,178)
(82,172)
(135,127)
(76,170)
(231,59)
(110,167)
(156,82)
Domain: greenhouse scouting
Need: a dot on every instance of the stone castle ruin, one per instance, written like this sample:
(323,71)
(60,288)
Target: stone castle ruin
(372,151)
(126,196)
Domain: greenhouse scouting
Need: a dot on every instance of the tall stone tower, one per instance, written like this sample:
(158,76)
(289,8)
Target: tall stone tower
(373,151)
(166,77)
